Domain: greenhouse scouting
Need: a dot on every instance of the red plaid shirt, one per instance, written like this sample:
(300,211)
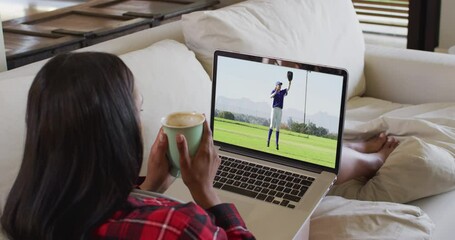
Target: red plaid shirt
(160,218)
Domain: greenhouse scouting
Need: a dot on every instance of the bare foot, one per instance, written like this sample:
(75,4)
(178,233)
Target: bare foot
(372,145)
(387,149)
(355,164)
(377,159)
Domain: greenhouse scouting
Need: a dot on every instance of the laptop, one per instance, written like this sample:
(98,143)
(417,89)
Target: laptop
(277,125)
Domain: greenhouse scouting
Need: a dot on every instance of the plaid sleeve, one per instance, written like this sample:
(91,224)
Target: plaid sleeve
(228,218)
(227,224)
(155,218)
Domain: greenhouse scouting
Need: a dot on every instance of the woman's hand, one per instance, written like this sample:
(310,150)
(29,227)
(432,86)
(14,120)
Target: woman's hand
(199,172)
(158,178)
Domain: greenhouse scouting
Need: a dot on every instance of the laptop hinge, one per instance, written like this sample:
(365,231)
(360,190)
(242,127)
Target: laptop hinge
(274,159)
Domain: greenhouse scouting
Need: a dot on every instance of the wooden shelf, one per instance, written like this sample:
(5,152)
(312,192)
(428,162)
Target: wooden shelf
(41,36)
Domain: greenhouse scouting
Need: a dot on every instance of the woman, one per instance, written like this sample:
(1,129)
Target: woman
(82,156)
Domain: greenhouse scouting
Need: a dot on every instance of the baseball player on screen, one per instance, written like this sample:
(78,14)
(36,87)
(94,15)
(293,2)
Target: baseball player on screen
(278,95)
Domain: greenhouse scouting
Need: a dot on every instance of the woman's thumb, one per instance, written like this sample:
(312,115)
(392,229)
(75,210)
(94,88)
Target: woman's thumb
(183,150)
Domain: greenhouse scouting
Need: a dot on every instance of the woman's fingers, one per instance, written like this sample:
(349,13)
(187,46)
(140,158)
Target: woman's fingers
(161,144)
(158,178)
(182,146)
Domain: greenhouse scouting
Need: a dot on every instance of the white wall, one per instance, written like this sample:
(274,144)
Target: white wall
(2,49)
(447,25)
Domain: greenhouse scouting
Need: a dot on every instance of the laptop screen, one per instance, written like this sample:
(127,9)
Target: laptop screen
(291,111)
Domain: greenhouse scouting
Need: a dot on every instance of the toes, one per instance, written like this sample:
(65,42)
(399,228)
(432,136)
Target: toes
(392,142)
(389,142)
(381,139)
(396,143)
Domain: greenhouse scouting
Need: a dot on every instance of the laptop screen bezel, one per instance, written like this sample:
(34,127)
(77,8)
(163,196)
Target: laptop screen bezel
(300,164)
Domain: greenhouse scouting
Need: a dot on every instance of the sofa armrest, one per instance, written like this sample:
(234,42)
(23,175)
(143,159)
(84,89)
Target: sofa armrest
(409,76)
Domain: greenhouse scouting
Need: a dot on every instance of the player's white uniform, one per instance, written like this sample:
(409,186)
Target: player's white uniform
(275,118)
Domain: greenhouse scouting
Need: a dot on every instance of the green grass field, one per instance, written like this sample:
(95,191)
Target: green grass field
(321,151)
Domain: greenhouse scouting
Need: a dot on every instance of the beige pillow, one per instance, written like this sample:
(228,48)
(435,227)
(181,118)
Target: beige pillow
(338,219)
(322,32)
(170,79)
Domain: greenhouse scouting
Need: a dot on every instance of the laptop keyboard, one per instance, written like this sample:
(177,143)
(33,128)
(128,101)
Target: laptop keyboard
(261,182)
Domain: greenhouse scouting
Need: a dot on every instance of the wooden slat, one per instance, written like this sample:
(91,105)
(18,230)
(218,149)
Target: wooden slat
(122,26)
(74,21)
(106,13)
(385,24)
(383,2)
(382,15)
(382,9)
(40,31)
(153,7)
(394,3)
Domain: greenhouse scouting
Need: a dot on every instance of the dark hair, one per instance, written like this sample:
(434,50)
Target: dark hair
(83,148)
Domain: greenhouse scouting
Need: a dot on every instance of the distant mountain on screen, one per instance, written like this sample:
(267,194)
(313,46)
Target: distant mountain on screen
(262,110)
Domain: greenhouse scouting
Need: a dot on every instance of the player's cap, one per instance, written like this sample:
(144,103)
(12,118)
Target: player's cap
(278,83)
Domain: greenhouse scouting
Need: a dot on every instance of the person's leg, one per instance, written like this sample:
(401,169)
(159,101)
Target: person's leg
(372,145)
(277,137)
(270,135)
(278,124)
(356,164)
(272,125)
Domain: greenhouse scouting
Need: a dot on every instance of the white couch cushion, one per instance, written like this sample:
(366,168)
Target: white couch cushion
(13,101)
(170,79)
(441,210)
(338,218)
(323,32)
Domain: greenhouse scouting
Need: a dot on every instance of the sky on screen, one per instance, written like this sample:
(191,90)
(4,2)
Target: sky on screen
(239,79)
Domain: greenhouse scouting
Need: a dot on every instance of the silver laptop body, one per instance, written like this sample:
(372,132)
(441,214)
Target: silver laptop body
(312,117)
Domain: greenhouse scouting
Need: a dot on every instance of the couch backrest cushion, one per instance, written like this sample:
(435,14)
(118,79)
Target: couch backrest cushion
(167,74)
(170,79)
(322,32)
(13,101)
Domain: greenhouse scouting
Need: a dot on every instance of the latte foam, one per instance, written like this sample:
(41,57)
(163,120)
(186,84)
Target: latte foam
(183,119)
